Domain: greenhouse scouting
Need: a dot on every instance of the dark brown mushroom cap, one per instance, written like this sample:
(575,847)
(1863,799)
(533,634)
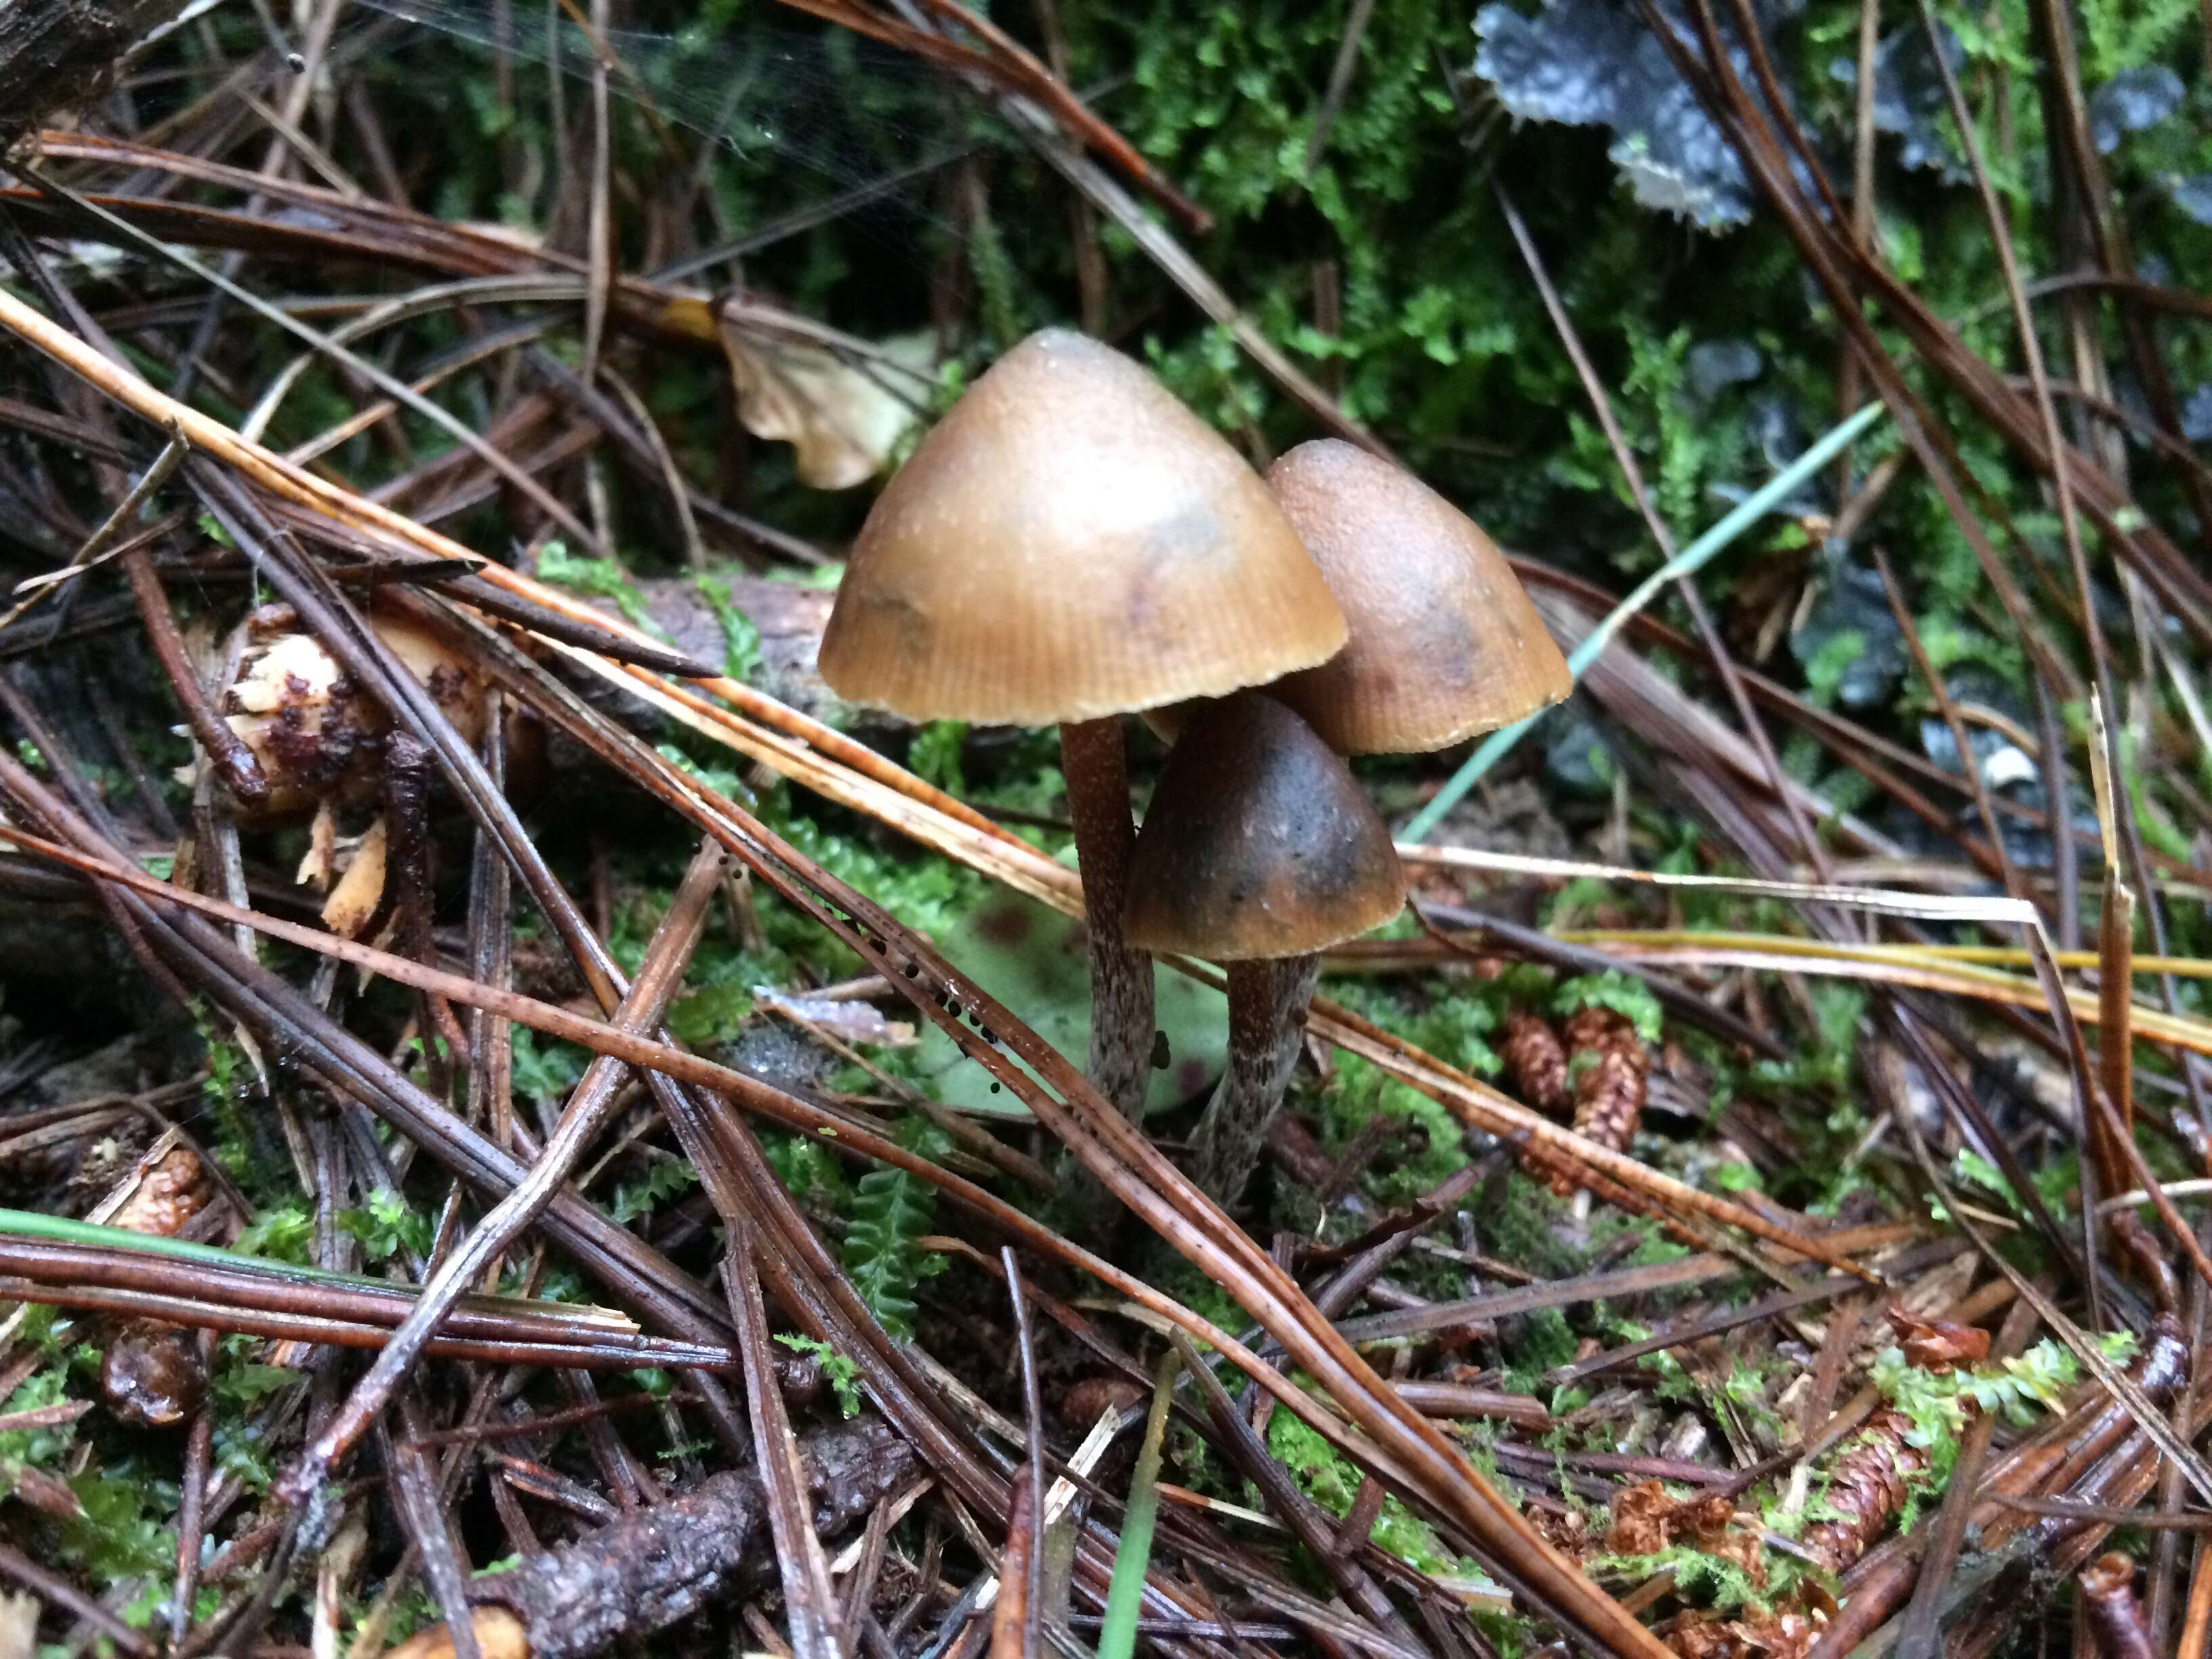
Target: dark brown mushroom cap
(1444,643)
(1260,843)
(1068,543)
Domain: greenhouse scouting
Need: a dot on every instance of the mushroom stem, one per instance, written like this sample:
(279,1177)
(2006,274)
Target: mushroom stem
(1266,1000)
(1096,768)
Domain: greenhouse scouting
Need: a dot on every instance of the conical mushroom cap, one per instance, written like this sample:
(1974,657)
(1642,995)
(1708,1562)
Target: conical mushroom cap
(1259,843)
(1068,543)
(1444,643)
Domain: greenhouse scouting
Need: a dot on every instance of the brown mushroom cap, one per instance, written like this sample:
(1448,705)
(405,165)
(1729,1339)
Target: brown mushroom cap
(1258,844)
(1068,543)
(1444,643)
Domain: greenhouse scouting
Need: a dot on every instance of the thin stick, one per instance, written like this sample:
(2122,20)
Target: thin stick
(96,545)
(2115,934)
(810,1603)
(589,1106)
(1340,79)
(435,413)
(1031,1477)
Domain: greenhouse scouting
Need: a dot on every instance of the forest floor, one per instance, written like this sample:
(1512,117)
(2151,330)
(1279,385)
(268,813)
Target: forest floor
(535,1127)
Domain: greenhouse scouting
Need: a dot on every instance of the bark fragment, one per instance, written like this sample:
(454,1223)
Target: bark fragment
(59,55)
(663,1562)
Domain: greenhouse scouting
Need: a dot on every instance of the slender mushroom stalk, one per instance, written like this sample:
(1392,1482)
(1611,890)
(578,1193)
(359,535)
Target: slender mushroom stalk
(1266,1013)
(1095,762)
(1070,545)
(1260,852)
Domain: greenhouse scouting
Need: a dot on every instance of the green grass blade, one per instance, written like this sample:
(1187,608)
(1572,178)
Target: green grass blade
(1495,747)
(1125,1595)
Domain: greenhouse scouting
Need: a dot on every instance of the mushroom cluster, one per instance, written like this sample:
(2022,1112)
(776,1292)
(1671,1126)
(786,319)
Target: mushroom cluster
(1070,545)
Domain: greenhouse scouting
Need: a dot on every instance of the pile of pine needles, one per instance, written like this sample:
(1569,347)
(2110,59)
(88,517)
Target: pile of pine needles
(333,1291)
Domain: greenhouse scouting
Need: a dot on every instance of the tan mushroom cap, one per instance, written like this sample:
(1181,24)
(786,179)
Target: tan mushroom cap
(1444,643)
(1258,844)
(1068,543)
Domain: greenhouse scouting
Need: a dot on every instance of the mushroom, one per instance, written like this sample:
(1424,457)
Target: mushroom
(1443,644)
(1071,544)
(1260,851)
(318,738)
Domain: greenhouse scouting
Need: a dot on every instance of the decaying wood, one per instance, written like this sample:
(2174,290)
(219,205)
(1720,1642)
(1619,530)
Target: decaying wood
(666,1561)
(61,55)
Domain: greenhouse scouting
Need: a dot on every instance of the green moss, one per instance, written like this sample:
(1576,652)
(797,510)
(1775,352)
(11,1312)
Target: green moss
(1333,1483)
(741,643)
(835,1366)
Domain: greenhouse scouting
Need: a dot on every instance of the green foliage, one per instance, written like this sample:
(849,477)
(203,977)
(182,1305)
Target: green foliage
(890,1210)
(1333,1483)
(1711,1581)
(601,579)
(121,1534)
(229,1076)
(41,1449)
(283,1234)
(835,1366)
(1825,668)
(2121,35)
(809,1171)
(240,1382)
(931,894)
(663,1179)
(1629,998)
(715,776)
(1971,1168)
(386,1227)
(935,754)
(1935,1403)
(741,641)
(718,990)
(543,1068)
(1455,1026)
(1547,1341)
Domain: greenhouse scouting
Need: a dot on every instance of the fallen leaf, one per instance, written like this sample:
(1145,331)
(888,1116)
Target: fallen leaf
(842,419)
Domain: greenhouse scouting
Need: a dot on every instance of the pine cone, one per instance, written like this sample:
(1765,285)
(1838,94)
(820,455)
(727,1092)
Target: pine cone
(1536,1062)
(1609,1085)
(1866,1489)
(1602,1027)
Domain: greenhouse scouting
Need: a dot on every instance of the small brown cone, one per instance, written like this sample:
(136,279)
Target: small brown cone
(1866,1489)
(1536,1061)
(1611,1074)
